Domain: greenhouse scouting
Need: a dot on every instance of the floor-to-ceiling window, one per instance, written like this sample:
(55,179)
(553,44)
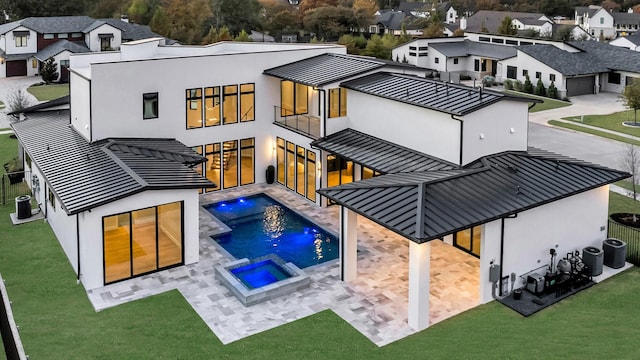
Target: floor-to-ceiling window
(230,104)
(339,171)
(296,168)
(291,165)
(213,165)
(300,170)
(247,102)
(367,173)
(230,158)
(311,175)
(469,240)
(142,241)
(294,98)
(212,106)
(280,155)
(194,108)
(247,161)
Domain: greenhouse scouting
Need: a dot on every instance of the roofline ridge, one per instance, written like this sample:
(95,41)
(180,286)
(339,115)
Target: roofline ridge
(195,155)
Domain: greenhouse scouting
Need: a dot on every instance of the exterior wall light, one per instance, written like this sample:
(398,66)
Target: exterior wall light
(512,130)
(481,136)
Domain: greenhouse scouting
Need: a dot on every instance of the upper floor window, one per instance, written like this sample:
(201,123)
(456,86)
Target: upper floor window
(194,108)
(552,77)
(21,38)
(63,36)
(229,104)
(601,20)
(247,102)
(525,72)
(47,36)
(212,105)
(455,61)
(437,60)
(64,63)
(76,35)
(293,98)
(538,74)
(337,102)
(150,105)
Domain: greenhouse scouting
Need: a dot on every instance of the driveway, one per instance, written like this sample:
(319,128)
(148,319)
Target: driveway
(576,144)
(10,85)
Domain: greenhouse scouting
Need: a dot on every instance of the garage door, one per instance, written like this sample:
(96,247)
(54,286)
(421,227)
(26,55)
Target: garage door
(16,68)
(581,85)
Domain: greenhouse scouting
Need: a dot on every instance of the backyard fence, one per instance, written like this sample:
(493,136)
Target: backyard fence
(10,337)
(631,236)
(13,185)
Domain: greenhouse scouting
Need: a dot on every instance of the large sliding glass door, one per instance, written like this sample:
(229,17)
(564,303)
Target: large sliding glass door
(468,240)
(142,241)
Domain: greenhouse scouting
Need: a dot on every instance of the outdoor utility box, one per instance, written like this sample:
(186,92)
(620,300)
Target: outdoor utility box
(535,283)
(23,207)
(615,253)
(593,258)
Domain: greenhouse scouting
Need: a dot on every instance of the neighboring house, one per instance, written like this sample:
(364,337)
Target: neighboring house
(257,36)
(595,20)
(575,68)
(573,32)
(426,8)
(626,23)
(631,42)
(24,43)
(395,23)
(491,21)
(426,159)
(60,52)
(527,25)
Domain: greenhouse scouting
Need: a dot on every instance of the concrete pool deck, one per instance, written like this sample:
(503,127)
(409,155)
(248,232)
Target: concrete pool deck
(375,303)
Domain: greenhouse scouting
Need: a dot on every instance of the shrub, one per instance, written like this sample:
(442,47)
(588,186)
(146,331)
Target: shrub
(540,90)
(552,92)
(517,85)
(488,81)
(508,85)
(528,86)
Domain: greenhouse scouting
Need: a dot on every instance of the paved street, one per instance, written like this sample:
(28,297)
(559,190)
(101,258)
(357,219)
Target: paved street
(9,85)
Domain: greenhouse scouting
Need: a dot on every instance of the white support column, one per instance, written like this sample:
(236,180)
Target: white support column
(419,277)
(348,244)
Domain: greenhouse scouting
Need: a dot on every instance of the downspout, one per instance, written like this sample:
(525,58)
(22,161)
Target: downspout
(45,200)
(461,138)
(78,245)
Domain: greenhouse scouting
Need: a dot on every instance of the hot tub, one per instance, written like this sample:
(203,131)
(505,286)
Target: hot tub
(261,279)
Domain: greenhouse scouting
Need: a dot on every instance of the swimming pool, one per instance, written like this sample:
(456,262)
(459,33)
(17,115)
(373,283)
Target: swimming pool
(257,275)
(261,225)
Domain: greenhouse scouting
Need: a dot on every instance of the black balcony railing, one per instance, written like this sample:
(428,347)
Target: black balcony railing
(300,123)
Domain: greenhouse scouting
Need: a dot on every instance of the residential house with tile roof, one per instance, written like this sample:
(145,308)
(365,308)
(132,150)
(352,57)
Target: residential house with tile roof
(26,43)
(428,160)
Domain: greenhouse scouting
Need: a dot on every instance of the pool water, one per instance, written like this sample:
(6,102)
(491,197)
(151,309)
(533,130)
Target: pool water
(261,225)
(259,274)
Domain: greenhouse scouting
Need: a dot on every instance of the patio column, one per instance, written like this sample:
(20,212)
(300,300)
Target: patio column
(419,276)
(348,244)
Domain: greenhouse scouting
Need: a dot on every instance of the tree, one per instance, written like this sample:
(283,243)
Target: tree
(552,91)
(540,90)
(17,100)
(49,71)
(242,37)
(433,30)
(329,22)
(610,5)
(564,33)
(186,19)
(630,162)
(631,99)
(506,27)
(364,12)
(279,18)
(375,47)
(237,15)
(528,86)
(354,44)
(458,32)
(160,22)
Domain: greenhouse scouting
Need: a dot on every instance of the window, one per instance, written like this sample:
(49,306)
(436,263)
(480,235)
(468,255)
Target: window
(212,106)
(76,35)
(291,165)
(538,74)
(613,78)
(150,105)
(247,102)
(212,171)
(20,39)
(64,63)
(142,241)
(484,64)
(512,72)
(525,72)
(194,108)
(337,102)
(469,240)
(230,164)
(311,175)
(105,43)
(300,170)
(552,77)
(367,173)
(247,161)
(476,65)
(34,63)
(455,61)
(511,42)
(47,36)
(436,60)
(293,98)
(601,21)
(412,54)
(497,41)
(280,160)
(230,104)
(52,199)
(63,36)
(484,39)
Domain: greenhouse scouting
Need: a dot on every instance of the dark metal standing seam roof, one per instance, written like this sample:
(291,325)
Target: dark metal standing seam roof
(324,69)
(491,188)
(379,155)
(431,94)
(84,175)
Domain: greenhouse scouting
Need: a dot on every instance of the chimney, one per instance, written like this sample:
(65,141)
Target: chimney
(463,23)
(124,18)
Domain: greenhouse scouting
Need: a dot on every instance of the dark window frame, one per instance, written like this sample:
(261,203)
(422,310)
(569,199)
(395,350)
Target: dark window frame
(154,98)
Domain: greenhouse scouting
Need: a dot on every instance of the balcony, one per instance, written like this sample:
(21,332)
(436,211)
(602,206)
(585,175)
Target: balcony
(306,125)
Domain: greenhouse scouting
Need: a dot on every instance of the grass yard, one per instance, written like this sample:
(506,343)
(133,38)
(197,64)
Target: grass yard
(611,121)
(548,103)
(593,132)
(57,321)
(49,92)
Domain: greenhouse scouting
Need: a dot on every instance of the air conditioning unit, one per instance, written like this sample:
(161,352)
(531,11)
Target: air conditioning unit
(615,253)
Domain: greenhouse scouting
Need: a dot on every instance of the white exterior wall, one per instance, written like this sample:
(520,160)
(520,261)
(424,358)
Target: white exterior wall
(91,245)
(33,66)
(10,43)
(617,88)
(442,60)
(622,41)
(566,225)
(461,67)
(424,130)
(64,55)
(526,62)
(607,27)
(487,131)
(80,92)
(93,41)
(117,110)
(451,16)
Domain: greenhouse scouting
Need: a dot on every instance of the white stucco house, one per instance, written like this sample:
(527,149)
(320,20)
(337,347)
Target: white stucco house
(631,42)
(596,20)
(429,160)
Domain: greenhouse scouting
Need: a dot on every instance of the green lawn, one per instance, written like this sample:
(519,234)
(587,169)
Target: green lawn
(548,103)
(57,321)
(611,121)
(593,132)
(49,92)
